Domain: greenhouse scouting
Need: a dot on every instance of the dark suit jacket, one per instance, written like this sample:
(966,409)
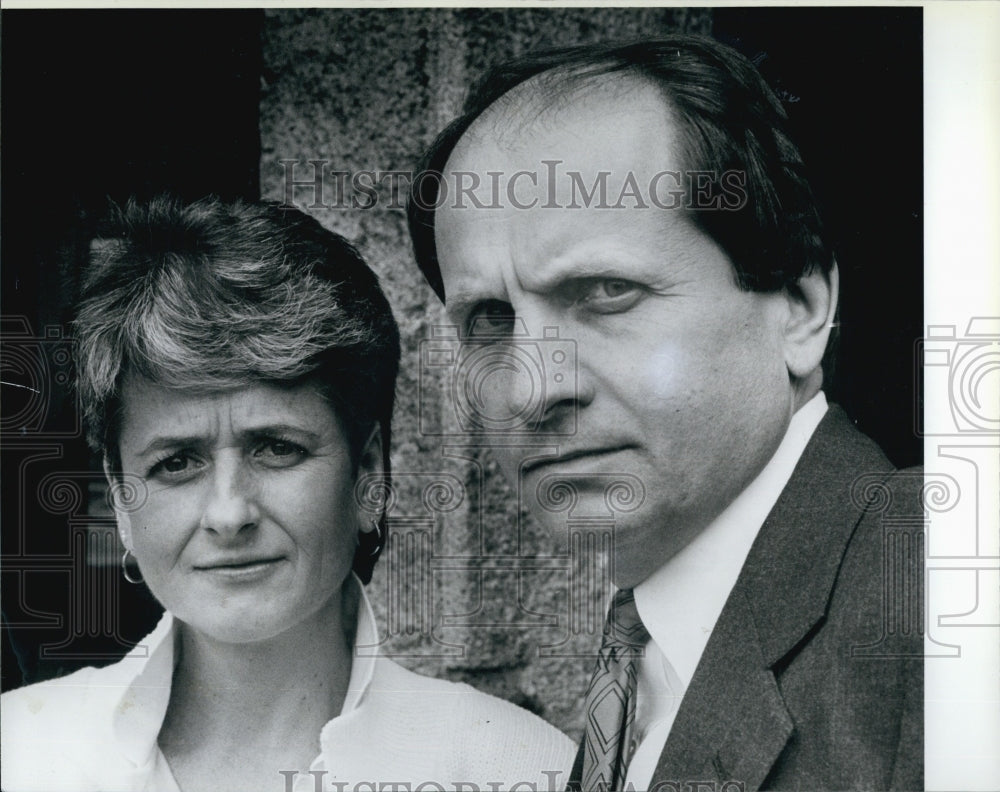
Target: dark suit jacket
(813,676)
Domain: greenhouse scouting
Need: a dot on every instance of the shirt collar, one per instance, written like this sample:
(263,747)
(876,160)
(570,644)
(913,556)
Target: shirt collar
(366,641)
(680,603)
(146,674)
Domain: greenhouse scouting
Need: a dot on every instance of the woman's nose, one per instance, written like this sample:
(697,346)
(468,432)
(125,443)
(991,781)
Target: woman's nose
(231,503)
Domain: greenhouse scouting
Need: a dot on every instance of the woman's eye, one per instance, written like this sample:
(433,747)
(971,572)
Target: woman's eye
(173,465)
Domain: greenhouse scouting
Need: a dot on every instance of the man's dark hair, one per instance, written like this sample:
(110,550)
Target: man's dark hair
(729,120)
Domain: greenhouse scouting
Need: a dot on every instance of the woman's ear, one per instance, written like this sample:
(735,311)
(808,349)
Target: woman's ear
(122,516)
(812,304)
(370,459)
(372,467)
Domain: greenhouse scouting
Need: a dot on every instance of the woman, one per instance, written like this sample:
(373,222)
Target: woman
(236,367)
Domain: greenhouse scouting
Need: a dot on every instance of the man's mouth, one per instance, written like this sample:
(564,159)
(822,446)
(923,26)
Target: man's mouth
(569,457)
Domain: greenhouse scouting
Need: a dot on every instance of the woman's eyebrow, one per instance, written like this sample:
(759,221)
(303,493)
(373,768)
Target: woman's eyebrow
(165,442)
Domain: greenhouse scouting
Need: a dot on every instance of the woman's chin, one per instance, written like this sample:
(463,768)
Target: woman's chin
(238,626)
(255,614)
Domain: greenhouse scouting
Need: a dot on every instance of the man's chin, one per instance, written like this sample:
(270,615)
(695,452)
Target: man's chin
(626,550)
(630,565)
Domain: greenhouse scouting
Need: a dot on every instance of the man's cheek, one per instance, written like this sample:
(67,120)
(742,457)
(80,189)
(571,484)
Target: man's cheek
(662,376)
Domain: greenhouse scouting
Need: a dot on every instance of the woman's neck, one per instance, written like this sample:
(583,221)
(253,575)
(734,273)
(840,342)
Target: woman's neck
(259,703)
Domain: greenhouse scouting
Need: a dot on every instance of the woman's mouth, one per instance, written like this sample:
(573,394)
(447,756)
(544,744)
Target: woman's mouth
(241,569)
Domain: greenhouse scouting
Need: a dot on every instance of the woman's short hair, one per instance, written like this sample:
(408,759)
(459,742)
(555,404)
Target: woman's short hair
(211,296)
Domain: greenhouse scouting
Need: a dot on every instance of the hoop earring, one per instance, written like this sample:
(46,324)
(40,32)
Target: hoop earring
(378,538)
(128,577)
(372,545)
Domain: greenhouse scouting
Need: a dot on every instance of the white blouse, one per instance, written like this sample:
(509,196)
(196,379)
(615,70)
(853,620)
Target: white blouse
(96,731)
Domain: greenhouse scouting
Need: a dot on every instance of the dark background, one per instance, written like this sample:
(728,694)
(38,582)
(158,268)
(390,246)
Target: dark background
(96,106)
(100,105)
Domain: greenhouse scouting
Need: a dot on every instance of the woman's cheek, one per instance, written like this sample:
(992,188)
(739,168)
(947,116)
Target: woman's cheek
(158,529)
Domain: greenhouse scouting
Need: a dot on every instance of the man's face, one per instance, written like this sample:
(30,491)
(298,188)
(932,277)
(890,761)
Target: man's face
(681,377)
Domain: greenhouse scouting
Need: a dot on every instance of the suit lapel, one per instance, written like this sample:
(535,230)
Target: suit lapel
(733,722)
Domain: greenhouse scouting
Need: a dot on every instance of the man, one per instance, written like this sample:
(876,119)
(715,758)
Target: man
(645,200)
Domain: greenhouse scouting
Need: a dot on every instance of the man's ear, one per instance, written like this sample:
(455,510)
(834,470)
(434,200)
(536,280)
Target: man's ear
(812,306)
(370,464)
(122,516)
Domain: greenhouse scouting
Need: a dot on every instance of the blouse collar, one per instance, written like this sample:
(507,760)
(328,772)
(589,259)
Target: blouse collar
(145,676)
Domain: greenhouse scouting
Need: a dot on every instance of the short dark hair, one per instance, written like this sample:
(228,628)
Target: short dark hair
(212,295)
(729,120)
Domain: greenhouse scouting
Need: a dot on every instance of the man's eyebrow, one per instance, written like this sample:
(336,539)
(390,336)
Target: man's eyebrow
(583,264)
(268,429)
(464,301)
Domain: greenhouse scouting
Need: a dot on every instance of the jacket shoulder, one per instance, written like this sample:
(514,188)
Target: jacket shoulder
(855,687)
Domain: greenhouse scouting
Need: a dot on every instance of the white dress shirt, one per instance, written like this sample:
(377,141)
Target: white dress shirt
(96,730)
(680,603)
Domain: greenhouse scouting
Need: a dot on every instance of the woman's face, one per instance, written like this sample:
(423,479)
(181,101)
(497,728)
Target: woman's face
(249,522)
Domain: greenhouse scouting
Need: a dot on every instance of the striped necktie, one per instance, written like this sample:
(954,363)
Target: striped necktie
(611,697)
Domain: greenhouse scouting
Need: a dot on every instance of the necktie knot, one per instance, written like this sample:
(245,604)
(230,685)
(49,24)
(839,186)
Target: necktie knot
(624,625)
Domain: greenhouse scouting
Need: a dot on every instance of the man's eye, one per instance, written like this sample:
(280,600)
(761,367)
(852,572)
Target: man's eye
(616,288)
(610,295)
(491,318)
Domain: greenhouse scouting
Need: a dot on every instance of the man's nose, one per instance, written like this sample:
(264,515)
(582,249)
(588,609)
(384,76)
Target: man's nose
(231,502)
(544,389)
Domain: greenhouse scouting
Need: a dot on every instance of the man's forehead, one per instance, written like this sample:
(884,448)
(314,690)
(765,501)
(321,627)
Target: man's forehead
(556,104)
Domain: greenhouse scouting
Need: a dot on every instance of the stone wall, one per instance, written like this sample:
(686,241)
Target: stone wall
(468,588)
